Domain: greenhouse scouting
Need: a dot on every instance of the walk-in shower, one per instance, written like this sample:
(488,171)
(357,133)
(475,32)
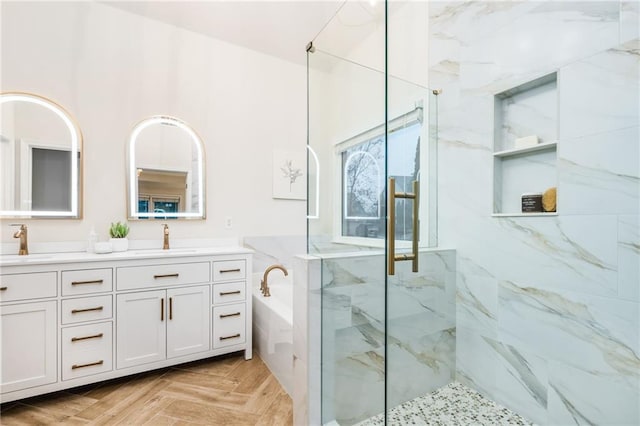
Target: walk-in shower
(475,312)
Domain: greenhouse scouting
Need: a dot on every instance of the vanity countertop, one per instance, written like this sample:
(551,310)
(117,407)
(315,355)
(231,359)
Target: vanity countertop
(73,257)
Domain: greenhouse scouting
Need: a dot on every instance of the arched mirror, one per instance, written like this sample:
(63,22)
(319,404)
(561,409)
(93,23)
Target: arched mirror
(166,169)
(40,158)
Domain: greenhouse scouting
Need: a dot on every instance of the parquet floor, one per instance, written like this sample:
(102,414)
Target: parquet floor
(225,391)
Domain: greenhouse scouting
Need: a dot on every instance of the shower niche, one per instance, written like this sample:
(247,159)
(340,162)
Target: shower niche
(525,143)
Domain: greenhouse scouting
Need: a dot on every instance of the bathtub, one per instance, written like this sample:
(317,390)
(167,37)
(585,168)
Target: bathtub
(273,326)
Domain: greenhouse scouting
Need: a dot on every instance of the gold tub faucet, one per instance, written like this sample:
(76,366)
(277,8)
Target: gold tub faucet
(264,287)
(22,234)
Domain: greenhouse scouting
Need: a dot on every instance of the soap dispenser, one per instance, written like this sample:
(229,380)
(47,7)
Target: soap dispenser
(92,239)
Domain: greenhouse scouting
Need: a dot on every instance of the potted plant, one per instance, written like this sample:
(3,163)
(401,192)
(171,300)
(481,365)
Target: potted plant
(118,232)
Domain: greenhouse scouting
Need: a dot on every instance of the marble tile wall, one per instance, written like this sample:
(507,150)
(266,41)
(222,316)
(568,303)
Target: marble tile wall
(547,308)
(273,249)
(421,342)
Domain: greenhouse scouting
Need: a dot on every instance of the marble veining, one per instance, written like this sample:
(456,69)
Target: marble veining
(420,332)
(601,331)
(547,308)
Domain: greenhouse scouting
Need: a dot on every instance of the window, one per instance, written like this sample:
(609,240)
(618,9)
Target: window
(158,204)
(363,178)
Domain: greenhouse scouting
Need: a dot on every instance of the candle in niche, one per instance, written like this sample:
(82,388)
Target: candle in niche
(549,200)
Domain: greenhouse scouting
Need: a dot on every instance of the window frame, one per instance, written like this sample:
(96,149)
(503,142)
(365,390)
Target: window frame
(405,120)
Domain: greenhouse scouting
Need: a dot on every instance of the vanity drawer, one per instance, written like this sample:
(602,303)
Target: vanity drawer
(152,276)
(87,350)
(229,292)
(229,270)
(87,281)
(228,325)
(86,309)
(28,286)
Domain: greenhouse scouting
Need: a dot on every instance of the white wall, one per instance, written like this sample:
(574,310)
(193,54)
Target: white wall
(111,69)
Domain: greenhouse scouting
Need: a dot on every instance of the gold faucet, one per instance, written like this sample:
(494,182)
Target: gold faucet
(264,287)
(22,234)
(165,243)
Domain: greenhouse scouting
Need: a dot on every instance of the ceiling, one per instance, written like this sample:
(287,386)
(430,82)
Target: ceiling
(277,28)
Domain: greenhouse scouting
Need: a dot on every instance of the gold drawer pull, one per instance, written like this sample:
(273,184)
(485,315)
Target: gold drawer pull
(226,293)
(87,282)
(3,288)
(230,337)
(91,364)
(77,311)
(155,277)
(237,314)
(224,271)
(95,336)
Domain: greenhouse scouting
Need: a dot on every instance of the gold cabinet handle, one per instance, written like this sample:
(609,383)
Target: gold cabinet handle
(3,288)
(162,309)
(78,311)
(227,293)
(87,282)
(229,337)
(91,364)
(392,257)
(171,308)
(236,314)
(155,277)
(224,271)
(95,336)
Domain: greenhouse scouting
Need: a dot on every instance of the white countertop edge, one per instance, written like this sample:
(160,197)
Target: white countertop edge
(83,257)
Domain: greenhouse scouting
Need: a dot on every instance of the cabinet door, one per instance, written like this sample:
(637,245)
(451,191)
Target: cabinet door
(141,331)
(28,345)
(188,320)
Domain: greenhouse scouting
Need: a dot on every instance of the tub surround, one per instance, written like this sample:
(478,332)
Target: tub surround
(88,317)
(274,249)
(273,326)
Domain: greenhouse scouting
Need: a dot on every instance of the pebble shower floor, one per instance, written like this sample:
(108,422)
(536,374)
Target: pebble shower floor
(454,404)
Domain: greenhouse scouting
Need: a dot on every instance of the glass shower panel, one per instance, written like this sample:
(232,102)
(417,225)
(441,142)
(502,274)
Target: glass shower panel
(346,134)
(420,298)
(420,341)
(365,126)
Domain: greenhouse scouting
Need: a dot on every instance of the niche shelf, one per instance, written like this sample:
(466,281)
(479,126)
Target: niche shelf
(529,109)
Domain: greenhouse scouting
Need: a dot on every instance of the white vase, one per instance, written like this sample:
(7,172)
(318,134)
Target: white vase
(119,244)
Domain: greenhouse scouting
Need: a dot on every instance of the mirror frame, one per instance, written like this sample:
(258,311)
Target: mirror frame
(132,192)
(77,163)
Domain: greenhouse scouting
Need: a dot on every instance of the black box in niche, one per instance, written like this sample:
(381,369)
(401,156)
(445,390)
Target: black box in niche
(532,202)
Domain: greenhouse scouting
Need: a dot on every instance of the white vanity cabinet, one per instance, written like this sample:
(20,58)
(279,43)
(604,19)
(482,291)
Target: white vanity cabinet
(81,318)
(29,355)
(161,324)
(28,316)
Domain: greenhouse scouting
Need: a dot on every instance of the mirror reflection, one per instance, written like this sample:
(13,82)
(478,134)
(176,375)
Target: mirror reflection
(40,158)
(166,170)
